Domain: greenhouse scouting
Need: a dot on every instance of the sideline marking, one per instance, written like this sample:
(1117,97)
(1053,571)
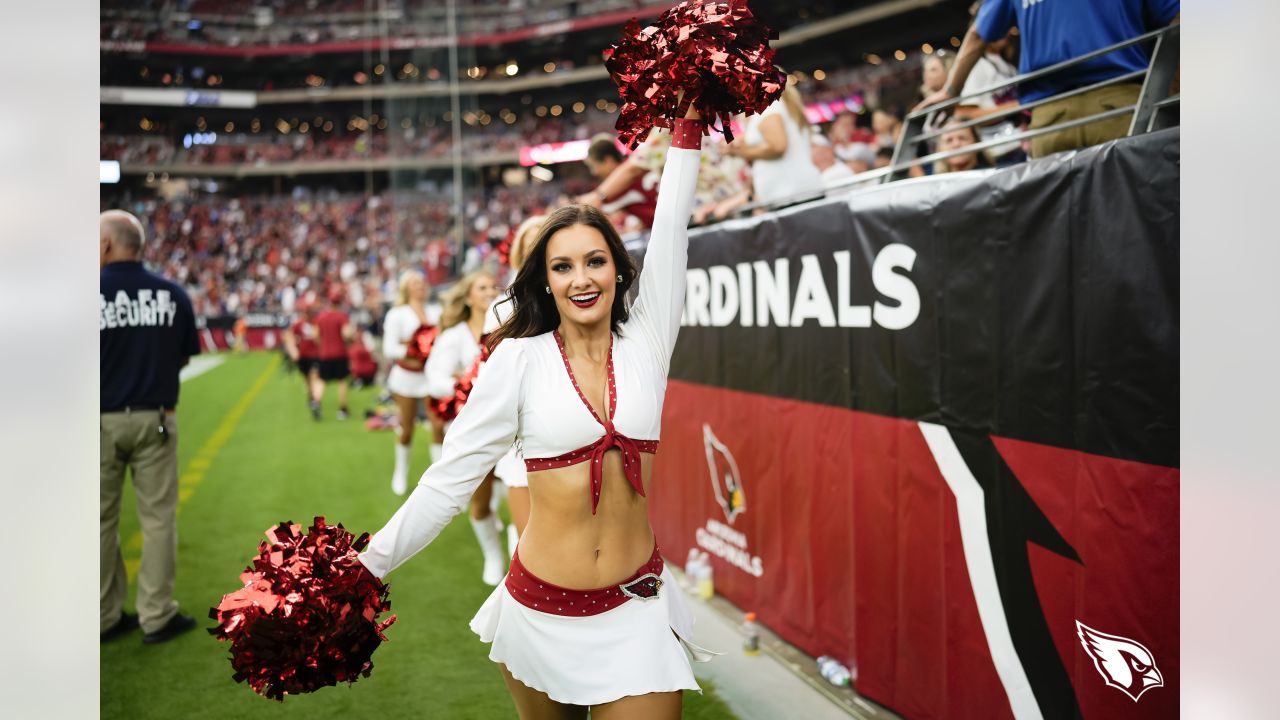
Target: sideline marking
(199,365)
(190,478)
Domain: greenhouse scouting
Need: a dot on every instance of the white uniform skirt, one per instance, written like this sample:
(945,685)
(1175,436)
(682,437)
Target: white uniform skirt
(406,383)
(637,648)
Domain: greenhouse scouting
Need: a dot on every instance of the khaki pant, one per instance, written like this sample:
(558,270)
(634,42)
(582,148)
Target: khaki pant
(133,440)
(1079,106)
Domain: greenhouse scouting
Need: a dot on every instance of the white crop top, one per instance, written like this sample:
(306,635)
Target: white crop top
(524,392)
(399,325)
(454,352)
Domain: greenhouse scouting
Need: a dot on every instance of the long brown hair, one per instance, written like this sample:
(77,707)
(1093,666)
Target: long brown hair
(535,310)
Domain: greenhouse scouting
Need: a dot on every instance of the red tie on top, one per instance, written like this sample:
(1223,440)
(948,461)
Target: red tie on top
(594,452)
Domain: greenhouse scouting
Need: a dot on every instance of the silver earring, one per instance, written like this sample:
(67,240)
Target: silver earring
(619,278)
(548,289)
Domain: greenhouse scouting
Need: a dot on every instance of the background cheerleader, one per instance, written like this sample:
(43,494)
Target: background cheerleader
(407,379)
(455,351)
(510,469)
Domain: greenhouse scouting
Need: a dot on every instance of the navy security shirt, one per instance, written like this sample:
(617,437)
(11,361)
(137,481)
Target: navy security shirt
(1057,30)
(146,332)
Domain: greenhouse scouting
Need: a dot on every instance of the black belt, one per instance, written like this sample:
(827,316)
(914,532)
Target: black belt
(159,410)
(139,408)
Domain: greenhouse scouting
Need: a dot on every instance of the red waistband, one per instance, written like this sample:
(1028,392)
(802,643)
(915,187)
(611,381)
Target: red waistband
(533,592)
(402,366)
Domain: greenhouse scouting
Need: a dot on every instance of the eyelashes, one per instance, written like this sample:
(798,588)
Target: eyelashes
(594,262)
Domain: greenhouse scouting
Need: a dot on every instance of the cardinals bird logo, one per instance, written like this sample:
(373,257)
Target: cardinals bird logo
(1125,664)
(724,476)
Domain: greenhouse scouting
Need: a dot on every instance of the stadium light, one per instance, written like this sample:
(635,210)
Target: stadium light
(554,153)
(512,68)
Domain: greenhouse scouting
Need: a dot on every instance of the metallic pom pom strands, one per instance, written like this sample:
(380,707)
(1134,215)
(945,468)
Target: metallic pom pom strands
(714,55)
(307,616)
(424,338)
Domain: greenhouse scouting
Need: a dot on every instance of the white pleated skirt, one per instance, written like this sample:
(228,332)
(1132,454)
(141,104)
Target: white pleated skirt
(407,384)
(637,648)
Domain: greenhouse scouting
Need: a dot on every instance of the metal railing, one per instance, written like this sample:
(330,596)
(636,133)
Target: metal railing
(1155,109)
(1157,78)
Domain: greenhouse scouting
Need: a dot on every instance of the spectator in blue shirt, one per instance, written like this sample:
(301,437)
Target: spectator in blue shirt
(146,333)
(1056,30)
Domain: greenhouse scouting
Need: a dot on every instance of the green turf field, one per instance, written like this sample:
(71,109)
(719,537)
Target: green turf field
(250,459)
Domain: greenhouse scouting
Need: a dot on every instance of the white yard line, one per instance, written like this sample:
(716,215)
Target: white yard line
(199,365)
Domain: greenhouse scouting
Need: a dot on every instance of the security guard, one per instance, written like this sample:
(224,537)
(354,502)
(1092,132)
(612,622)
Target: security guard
(146,333)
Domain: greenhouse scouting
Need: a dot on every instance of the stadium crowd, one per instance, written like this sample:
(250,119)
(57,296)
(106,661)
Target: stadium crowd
(221,22)
(359,139)
(262,254)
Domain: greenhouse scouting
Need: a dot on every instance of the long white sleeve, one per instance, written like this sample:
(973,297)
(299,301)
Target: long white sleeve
(394,335)
(660,298)
(442,363)
(480,436)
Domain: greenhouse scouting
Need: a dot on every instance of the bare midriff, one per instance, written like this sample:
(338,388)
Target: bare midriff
(565,544)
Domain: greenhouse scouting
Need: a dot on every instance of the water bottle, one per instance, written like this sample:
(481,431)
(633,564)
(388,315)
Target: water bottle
(833,672)
(690,577)
(706,580)
(750,635)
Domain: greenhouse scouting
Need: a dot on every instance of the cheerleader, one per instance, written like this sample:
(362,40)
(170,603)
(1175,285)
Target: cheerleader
(407,380)
(510,469)
(455,351)
(586,614)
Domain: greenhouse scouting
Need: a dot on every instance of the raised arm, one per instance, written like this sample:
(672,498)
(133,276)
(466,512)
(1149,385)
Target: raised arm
(482,433)
(660,298)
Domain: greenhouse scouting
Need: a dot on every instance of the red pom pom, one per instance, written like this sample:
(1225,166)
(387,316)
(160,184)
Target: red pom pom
(714,51)
(307,615)
(504,247)
(424,338)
